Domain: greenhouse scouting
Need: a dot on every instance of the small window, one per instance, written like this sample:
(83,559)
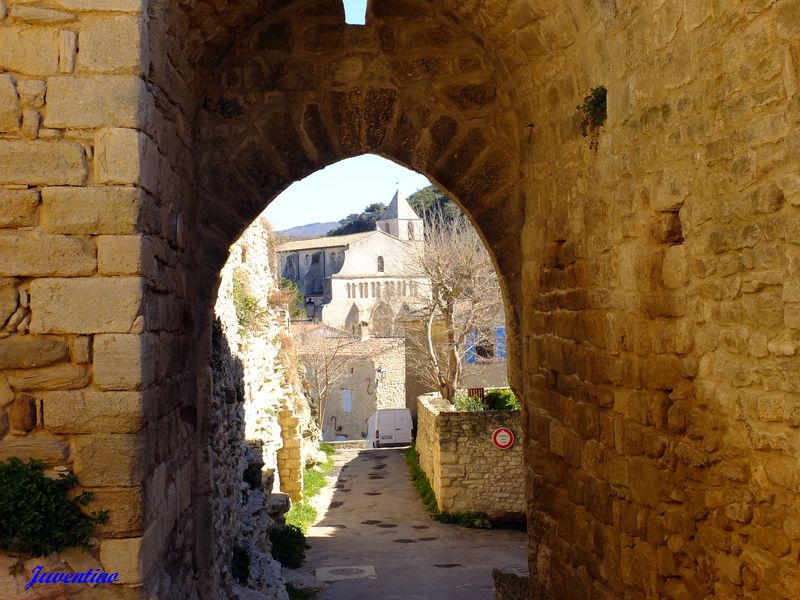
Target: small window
(380,264)
(411,231)
(347,401)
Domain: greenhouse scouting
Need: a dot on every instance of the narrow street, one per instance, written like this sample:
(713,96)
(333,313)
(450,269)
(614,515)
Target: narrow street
(377,541)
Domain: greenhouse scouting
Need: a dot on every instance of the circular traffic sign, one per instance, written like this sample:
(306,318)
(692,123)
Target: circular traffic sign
(503,438)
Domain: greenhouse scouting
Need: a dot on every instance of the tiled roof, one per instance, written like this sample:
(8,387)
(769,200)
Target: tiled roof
(323,242)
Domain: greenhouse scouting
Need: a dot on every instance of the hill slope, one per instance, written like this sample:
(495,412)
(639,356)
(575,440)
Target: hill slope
(307,232)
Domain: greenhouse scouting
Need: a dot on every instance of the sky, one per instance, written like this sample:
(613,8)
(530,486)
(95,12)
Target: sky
(341,189)
(354,11)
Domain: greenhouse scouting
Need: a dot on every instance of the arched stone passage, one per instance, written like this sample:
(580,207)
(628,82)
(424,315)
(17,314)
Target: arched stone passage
(654,278)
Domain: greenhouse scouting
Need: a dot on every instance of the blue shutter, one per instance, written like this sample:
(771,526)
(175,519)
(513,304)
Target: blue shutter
(500,343)
(470,356)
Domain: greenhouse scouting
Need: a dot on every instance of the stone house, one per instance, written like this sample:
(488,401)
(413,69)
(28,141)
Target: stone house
(363,277)
(354,394)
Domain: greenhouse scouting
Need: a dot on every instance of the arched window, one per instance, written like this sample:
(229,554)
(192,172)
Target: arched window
(380,264)
(411,231)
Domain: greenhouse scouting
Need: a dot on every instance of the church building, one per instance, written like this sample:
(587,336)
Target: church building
(363,281)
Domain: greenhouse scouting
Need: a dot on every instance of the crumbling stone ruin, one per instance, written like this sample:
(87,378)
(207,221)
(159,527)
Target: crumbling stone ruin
(651,272)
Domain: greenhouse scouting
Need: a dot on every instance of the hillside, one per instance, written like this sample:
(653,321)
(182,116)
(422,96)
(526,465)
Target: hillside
(307,232)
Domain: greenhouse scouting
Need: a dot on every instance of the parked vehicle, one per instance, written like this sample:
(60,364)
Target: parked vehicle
(394,428)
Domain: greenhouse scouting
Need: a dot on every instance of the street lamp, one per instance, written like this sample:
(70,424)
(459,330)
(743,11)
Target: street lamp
(380,372)
(311,309)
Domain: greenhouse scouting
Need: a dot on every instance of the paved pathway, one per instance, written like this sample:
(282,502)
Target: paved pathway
(375,518)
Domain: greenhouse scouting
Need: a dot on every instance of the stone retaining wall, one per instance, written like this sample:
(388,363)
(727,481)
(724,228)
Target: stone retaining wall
(467,472)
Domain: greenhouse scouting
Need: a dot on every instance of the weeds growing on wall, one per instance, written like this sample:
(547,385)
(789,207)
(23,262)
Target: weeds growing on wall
(474,520)
(37,516)
(594,112)
(249,312)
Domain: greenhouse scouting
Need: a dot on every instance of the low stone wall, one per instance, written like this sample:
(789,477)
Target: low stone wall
(467,472)
(510,585)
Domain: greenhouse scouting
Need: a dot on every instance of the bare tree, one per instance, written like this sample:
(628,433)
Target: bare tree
(326,354)
(459,301)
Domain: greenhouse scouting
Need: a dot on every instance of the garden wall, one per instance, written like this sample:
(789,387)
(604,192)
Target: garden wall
(467,472)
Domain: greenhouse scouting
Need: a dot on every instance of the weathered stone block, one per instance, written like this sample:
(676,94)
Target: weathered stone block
(31,92)
(44,447)
(10,111)
(37,15)
(41,163)
(28,50)
(675,270)
(81,349)
(125,255)
(124,557)
(108,460)
(133,6)
(125,156)
(89,102)
(92,412)
(67,51)
(85,305)
(123,362)
(114,44)
(27,352)
(91,209)
(6,393)
(18,207)
(8,299)
(57,377)
(125,510)
(22,413)
(38,254)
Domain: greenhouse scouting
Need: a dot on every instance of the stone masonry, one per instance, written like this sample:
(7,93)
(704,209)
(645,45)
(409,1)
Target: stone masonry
(466,471)
(652,283)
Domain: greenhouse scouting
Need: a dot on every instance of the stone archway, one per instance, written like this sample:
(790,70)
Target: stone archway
(652,279)
(301,90)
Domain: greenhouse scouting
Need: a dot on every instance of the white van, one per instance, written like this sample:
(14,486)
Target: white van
(394,428)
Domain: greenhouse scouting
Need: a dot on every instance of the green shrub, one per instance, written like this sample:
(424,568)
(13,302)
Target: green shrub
(240,565)
(291,295)
(296,593)
(501,400)
(466,403)
(37,516)
(288,545)
(475,520)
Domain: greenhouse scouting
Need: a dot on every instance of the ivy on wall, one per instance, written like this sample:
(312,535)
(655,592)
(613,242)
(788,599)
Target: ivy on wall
(37,517)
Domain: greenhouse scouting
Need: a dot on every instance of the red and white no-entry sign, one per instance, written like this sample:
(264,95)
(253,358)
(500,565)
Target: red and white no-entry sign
(503,438)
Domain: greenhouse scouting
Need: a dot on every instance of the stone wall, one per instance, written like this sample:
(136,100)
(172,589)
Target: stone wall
(259,412)
(466,470)
(661,273)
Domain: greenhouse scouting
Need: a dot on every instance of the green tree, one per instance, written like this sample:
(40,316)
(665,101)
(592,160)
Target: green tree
(431,200)
(360,222)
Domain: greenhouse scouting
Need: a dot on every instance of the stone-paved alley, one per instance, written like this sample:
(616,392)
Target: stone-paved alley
(375,518)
